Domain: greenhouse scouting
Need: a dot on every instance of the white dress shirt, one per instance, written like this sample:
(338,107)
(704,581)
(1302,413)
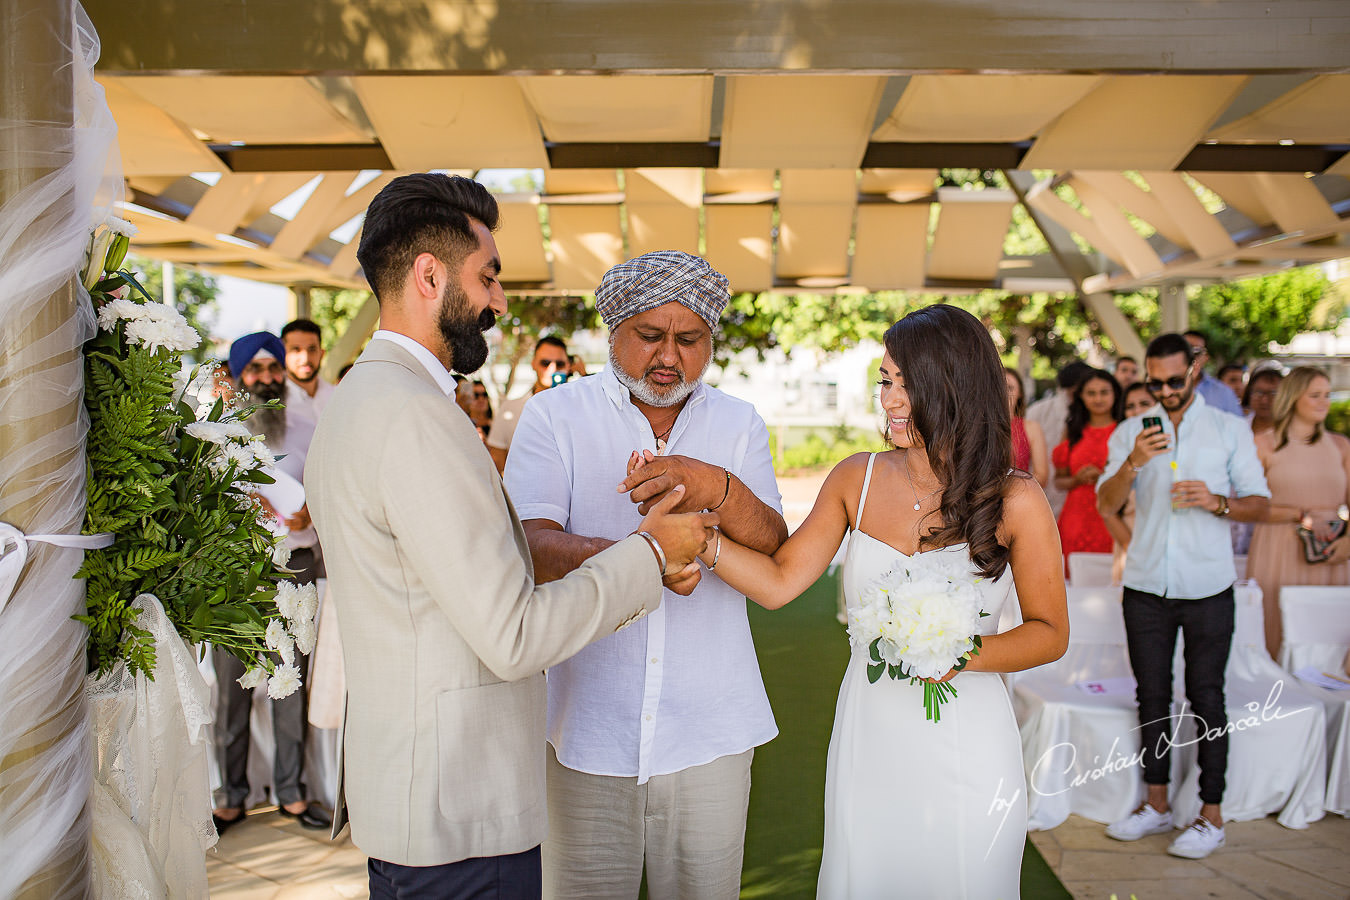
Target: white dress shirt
(1186,553)
(302,415)
(681,687)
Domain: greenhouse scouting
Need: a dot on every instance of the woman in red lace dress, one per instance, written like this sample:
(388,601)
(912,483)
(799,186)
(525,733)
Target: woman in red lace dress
(1079,460)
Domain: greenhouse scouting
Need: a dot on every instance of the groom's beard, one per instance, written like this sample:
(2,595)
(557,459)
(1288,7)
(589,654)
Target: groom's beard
(463,331)
(270,423)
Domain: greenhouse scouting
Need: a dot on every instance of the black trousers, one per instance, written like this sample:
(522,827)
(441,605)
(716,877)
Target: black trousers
(289,721)
(515,877)
(1151,624)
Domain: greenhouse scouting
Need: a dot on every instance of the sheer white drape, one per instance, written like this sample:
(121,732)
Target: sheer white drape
(59,182)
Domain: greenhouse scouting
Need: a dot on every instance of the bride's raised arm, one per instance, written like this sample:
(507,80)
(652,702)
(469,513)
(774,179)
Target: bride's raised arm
(772,581)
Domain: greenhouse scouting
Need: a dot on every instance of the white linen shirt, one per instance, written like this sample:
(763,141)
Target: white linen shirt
(682,686)
(302,415)
(1186,553)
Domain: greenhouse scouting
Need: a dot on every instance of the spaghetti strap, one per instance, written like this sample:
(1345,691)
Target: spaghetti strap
(862,498)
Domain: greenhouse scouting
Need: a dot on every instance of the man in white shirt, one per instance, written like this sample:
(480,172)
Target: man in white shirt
(652,731)
(1052,413)
(550,360)
(306,396)
(258,359)
(1192,474)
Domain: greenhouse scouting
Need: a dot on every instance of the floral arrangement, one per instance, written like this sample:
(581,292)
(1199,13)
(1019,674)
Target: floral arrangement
(918,620)
(173,481)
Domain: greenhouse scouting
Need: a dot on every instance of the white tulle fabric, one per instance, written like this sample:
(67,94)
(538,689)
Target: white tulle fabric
(45,761)
(152,812)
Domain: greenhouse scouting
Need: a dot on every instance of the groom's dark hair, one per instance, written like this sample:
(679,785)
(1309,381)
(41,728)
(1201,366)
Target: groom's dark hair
(422,213)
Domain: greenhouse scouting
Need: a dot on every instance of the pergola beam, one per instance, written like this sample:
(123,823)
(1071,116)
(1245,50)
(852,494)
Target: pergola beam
(723,36)
(1298,158)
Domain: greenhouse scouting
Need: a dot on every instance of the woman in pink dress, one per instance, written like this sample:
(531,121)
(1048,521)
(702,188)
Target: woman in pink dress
(1308,470)
(1080,459)
(1028,440)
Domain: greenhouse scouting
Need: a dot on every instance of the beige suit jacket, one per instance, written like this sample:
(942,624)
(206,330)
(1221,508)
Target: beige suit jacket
(445,633)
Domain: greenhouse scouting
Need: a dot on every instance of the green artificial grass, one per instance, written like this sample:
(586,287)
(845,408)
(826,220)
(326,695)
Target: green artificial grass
(802,653)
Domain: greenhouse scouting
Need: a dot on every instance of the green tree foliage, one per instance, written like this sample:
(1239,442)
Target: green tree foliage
(530,317)
(195,295)
(333,310)
(1242,318)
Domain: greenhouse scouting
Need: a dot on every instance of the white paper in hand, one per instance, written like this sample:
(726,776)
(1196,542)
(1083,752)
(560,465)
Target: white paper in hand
(287,496)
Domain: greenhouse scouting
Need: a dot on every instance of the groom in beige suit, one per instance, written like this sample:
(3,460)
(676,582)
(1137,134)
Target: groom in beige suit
(445,631)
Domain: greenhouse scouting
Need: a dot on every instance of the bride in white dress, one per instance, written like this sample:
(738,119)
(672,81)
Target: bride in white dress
(915,808)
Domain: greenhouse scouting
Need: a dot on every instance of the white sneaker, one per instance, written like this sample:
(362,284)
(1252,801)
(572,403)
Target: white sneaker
(1143,821)
(1198,841)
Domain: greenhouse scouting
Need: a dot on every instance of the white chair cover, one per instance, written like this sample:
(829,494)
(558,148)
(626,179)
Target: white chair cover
(1317,634)
(1078,748)
(1081,750)
(1090,569)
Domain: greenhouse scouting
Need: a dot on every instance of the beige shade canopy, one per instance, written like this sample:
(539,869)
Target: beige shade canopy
(798,150)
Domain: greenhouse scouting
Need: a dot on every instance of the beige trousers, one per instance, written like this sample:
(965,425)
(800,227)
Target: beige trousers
(688,826)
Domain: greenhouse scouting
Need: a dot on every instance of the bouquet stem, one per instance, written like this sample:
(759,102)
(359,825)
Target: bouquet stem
(934,695)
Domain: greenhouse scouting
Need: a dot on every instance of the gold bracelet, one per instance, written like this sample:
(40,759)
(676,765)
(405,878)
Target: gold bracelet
(717,553)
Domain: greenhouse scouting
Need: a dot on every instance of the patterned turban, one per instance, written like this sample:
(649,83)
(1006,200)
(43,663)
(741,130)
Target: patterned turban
(653,279)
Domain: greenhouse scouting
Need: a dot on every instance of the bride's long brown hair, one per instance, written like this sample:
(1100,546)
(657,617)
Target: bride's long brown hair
(959,406)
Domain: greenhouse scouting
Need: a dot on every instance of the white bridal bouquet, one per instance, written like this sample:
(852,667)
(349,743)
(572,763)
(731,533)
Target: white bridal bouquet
(919,619)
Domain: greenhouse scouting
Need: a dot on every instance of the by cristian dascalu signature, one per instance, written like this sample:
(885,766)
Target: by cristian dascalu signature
(1257,715)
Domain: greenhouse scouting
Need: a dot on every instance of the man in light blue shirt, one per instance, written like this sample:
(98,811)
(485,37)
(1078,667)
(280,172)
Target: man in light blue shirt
(1193,469)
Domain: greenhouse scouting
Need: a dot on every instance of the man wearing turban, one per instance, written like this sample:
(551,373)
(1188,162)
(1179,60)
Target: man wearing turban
(258,361)
(652,730)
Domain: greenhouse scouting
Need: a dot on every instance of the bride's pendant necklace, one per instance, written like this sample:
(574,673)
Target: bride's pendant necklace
(918,502)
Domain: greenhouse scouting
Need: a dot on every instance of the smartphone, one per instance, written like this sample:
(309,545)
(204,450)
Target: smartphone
(557,379)
(1152,422)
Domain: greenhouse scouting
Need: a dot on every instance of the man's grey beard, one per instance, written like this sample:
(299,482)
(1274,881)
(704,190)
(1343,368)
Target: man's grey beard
(269,423)
(639,388)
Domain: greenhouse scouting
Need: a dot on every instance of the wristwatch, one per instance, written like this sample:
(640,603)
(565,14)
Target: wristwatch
(1223,507)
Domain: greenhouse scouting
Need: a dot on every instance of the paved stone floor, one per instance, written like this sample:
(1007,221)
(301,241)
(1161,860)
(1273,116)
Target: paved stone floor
(271,857)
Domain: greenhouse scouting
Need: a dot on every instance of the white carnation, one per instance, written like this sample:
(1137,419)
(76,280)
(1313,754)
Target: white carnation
(287,653)
(284,682)
(252,678)
(288,599)
(276,636)
(309,601)
(281,555)
(217,432)
(152,332)
(114,310)
(306,634)
(121,226)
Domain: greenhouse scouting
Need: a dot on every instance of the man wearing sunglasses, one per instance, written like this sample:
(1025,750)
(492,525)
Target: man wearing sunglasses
(1194,469)
(551,366)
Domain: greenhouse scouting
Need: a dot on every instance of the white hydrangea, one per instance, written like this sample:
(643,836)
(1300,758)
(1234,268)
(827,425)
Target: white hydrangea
(252,678)
(285,681)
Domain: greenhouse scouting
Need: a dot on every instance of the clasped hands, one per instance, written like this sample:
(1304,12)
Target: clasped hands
(677,491)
